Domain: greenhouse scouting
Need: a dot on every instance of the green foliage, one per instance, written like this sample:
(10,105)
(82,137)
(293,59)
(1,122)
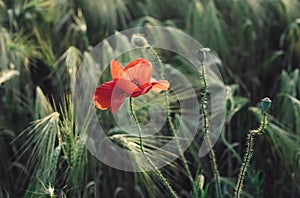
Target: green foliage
(42,45)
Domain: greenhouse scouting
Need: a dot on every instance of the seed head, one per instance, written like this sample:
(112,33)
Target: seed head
(266,104)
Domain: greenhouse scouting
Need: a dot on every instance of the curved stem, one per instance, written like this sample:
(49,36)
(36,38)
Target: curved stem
(157,171)
(212,155)
(231,149)
(248,155)
(172,127)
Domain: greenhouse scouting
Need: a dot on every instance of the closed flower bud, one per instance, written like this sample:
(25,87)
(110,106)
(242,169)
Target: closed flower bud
(139,40)
(201,54)
(266,104)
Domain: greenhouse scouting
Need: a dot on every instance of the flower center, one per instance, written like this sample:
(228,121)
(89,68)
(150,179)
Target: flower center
(136,82)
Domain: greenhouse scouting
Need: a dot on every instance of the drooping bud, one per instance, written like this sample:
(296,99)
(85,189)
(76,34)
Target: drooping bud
(139,40)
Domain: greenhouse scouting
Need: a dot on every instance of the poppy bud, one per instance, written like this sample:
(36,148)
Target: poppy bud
(201,54)
(266,104)
(139,40)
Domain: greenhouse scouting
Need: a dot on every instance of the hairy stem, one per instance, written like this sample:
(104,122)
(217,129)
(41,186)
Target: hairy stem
(212,155)
(248,155)
(157,171)
(172,127)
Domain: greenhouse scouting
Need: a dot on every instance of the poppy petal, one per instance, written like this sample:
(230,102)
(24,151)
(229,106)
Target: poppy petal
(139,74)
(102,95)
(161,85)
(136,62)
(116,69)
(124,87)
(116,102)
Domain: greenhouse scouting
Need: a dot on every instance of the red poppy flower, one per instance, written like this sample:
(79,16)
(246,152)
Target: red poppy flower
(132,81)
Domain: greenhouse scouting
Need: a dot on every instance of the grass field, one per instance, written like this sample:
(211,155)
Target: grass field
(43,149)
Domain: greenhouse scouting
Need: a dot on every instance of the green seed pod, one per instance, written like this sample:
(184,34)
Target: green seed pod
(139,40)
(201,54)
(266,104)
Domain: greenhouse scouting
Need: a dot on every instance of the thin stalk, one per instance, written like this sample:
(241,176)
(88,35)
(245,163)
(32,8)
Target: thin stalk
(230,147)
(172,127)
(248,155)
(157,171)
(212,155)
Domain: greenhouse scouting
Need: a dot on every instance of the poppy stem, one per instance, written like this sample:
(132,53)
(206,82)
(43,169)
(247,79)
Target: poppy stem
(157,171)
(248,154)
(167,103)
(212,154)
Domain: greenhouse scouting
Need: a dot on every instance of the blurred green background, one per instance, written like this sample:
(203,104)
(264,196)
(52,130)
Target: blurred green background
(43,42)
